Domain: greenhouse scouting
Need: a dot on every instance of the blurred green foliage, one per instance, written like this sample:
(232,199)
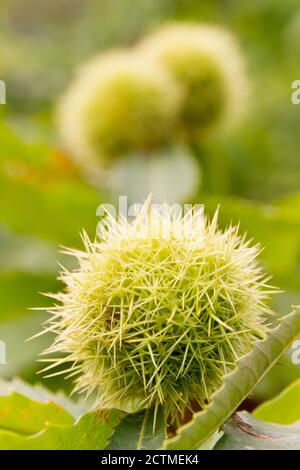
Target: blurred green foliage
(253,172)
(283,409)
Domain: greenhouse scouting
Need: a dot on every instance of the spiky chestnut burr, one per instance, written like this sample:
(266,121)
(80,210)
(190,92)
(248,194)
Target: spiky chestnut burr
(159,309)
(119,103)
(206,62)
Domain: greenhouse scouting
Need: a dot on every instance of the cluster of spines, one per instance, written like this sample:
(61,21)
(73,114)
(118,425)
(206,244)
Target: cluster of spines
(148,320)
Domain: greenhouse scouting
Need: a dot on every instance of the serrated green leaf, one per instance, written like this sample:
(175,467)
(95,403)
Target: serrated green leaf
(91,432)
(32,417)
(237,385)
(39,393)
(245,432)
(22,415)
(210,443)
(283,409)
(140,431)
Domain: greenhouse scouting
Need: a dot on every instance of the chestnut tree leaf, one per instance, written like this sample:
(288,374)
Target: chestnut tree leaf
(143,430)
(283,409)
(25,416)
(41,394)
(31,417)
(90,432)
